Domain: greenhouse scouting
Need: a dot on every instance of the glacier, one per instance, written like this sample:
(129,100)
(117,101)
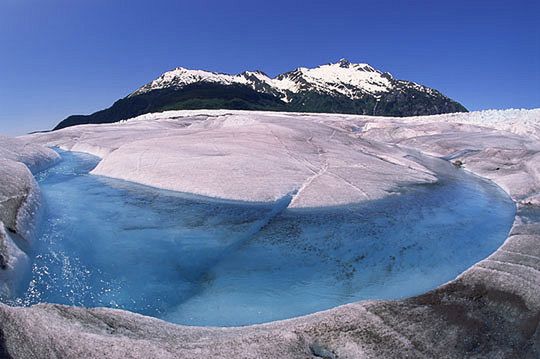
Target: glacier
(491,309)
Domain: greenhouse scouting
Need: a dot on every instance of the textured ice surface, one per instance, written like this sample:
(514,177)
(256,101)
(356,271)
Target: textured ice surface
(197,261)
(257,157)
(19,199)
(331,159)
(488,311)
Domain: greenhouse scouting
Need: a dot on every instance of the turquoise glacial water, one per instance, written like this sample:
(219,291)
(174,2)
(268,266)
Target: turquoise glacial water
(198,261)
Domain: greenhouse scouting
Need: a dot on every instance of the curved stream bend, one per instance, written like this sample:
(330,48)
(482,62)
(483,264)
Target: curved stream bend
(197,261)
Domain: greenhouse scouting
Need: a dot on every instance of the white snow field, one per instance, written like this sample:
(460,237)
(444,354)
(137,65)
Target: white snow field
(491,310)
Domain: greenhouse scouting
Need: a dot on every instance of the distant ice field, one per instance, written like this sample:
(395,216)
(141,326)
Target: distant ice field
(200,261)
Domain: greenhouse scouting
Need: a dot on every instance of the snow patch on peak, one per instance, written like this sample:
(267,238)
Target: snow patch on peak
(343,77)
(180,77)
(257,73)
(344,63)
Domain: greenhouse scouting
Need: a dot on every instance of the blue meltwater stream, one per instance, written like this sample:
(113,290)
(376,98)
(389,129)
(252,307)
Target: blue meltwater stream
(198,261)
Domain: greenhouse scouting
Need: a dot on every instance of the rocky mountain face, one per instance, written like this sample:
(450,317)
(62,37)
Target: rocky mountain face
(340,87)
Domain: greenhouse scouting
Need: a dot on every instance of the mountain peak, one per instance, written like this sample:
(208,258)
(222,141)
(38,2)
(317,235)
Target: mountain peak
(344,63)
(343,77)
(342,87)
(255,72)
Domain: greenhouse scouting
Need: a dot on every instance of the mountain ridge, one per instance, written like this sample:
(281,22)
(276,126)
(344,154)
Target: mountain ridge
(340,87)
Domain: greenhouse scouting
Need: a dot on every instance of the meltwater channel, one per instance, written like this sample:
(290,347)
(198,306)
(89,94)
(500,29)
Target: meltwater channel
(198,261)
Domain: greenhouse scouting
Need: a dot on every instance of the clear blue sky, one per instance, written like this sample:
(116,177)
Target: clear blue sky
(62,57)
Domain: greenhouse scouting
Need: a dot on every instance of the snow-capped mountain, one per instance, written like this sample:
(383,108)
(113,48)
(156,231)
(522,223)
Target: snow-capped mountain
(341,87)
(340,78)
